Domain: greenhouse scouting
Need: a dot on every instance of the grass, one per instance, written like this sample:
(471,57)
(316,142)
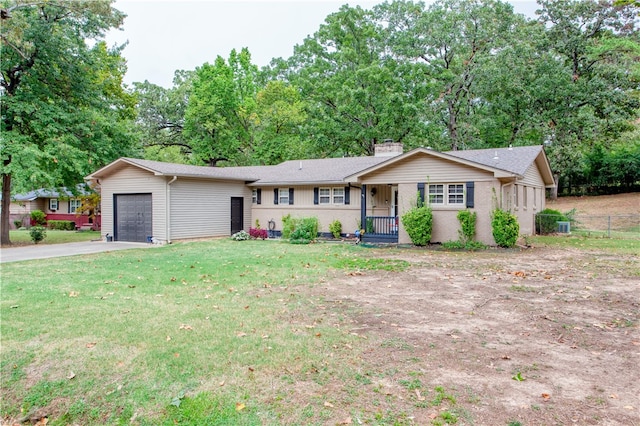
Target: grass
(22,237)
(198,333)
(613,245)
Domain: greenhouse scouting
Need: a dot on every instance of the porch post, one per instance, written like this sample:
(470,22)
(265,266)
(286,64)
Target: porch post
(363,206)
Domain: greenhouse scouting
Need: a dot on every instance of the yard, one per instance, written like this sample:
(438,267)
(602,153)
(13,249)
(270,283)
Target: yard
(263,332)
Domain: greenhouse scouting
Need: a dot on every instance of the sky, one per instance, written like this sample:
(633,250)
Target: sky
(163,36)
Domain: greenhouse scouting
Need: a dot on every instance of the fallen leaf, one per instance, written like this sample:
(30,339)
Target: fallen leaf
(240,406)
(328,404)
(71,375)
(346,421)
(168,338)
(628,407)
(419,395)
(221,383)
(185,327)
(613,396)
(90,345)
(73,294)
(546,396)
(241,334)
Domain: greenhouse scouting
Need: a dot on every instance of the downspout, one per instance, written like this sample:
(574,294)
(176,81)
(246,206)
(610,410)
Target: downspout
(168,208)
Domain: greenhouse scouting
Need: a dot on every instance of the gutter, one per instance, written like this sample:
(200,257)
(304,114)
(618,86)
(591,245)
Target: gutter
(168,208)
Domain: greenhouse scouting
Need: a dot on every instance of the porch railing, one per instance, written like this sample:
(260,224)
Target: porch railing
(381,229)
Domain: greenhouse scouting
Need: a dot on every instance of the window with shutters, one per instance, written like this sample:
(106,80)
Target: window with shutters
(74,204)
(324,195)
(456,193)
(254,196)
(452,194)
(283,195)
(338,195)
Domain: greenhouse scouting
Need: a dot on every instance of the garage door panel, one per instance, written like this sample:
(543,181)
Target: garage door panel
(133,217)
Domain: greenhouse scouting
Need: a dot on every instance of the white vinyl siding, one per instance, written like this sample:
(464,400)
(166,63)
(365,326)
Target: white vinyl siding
(132,180)
(203,208)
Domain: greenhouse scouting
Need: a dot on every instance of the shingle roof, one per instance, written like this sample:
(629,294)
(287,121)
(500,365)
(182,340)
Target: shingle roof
(249,173)
(326,170)
(50,193)
(515,160)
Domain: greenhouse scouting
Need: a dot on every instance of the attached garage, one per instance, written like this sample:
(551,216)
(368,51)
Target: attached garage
(177,202)
(133,217)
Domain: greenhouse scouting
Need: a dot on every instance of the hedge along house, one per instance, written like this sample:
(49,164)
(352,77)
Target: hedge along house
(143,199)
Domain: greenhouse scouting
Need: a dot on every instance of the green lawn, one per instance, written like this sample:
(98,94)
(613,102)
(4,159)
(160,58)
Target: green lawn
(208,332)
(22,237)
(199,333)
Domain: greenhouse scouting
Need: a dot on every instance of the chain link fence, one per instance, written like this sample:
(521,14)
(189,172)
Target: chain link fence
(607,226)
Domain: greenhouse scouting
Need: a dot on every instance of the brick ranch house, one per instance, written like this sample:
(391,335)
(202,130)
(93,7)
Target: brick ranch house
(58,204)
(144,199)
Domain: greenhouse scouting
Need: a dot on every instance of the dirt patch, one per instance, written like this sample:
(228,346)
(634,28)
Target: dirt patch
(618,204)
(540,336)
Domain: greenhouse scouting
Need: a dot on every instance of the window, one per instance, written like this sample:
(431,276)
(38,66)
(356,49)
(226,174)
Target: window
(456,194)
(283,195)
(74,204)
(524,197)
(436,194)
(53,204)
(338,195)
(324,195)
(516,203)
(254,196)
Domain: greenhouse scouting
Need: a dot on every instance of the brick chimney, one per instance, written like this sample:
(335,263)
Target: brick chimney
(388,148)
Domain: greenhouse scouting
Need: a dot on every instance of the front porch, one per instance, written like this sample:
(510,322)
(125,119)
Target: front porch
(380,229)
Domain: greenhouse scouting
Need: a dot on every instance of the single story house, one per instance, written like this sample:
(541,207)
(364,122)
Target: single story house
(59,204)
(144,200)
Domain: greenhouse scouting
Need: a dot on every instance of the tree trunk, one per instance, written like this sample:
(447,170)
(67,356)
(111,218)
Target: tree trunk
(5,219)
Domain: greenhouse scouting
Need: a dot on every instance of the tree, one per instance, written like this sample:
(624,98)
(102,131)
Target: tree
(64,110)
(218,117)
(356,94)
(160,118)
(278,116)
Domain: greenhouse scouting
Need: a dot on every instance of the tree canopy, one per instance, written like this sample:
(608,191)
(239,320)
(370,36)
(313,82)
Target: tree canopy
(65,111)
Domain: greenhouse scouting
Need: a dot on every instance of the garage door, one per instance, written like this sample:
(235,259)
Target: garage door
(133,214)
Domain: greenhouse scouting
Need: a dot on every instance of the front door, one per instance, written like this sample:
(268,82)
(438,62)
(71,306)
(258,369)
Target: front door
(237,214)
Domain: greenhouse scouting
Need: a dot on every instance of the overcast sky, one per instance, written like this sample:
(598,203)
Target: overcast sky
(168,35)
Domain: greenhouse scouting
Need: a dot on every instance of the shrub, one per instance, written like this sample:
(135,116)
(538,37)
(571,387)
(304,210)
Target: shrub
(61,225)
(546,221)
(467,221)
(38,218)
(335,228)
(418,222)
(258,233)
(506,228)
(305,230)
(241,236)
(37,233)
(17,223)
(288,225)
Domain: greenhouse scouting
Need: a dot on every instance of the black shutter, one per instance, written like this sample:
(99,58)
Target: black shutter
(421,192)
(275,196)
(259,195)
(347,195)
(470,195)
(290,196)
(316,195)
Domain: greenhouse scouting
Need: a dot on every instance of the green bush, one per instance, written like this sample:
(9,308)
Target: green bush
(547,221)
(467,220)
(335,228)
(288,225)
(61,225)
(37,233)
(506,228)
(305,230)
(418,222)
(38,217)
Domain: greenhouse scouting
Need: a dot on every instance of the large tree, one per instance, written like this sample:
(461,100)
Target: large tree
(218,117)
(64,110)
(356,94)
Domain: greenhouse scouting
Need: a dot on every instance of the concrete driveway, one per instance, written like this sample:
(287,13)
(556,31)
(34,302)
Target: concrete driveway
(44,251)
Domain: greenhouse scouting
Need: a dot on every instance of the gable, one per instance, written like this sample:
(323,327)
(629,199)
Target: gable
(422,167)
